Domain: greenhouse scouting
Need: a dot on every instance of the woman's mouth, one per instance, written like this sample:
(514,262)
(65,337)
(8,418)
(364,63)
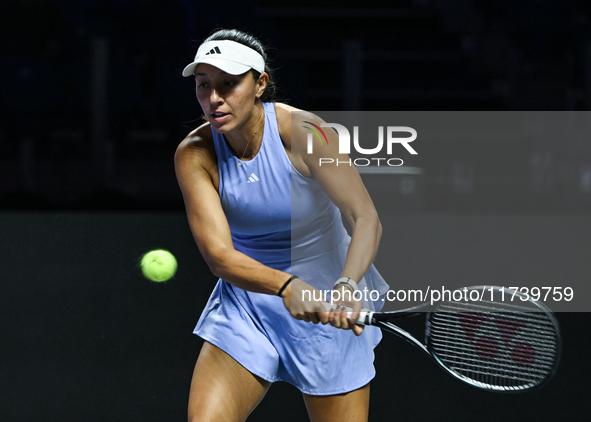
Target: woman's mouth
(219,116)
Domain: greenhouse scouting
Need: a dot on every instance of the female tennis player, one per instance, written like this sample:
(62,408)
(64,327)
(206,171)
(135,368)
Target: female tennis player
(267,220)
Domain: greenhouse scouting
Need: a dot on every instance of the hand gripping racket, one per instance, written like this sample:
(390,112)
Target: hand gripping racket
(505,345)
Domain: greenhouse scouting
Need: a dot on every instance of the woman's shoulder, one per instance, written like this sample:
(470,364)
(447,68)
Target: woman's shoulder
(285,118)
(198,138)
(197,147)
(285,108)
(284,112)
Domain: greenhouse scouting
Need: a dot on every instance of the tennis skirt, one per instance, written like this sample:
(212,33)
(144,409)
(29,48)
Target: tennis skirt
(259,333)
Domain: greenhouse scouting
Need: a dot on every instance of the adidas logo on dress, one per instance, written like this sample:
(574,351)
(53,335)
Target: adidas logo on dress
(215,50)
(253,178)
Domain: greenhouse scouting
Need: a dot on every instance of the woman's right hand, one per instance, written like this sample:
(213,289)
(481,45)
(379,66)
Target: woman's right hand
(305,303)
(302,301)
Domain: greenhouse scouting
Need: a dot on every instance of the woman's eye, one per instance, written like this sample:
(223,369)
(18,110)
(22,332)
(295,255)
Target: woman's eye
(230,83)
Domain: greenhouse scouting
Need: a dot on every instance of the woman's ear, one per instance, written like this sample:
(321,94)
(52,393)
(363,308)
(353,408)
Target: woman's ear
(262,84)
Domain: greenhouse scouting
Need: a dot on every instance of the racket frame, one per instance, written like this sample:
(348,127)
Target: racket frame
(382,320)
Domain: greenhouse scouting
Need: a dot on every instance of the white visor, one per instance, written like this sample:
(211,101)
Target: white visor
(231,57)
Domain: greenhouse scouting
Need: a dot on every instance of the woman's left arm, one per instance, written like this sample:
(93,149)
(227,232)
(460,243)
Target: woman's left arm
(343,185)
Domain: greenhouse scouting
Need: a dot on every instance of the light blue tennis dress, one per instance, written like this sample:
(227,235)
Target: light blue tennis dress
(286,221)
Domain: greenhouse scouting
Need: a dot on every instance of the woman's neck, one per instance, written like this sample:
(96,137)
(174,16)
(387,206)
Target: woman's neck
(246,140)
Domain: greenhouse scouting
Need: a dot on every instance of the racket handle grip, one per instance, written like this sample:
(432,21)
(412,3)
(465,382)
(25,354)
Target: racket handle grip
(364,314)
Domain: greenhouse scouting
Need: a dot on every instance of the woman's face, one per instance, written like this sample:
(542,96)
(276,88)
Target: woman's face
(227,100)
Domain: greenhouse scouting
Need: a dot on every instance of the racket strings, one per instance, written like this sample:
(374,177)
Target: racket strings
(541,339)
(500,346)
(458,357)
(490,350)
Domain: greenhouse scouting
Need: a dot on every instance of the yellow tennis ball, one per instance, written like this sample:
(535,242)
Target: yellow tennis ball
(158,265)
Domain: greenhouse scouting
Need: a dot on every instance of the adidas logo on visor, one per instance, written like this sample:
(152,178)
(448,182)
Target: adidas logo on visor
(215,50)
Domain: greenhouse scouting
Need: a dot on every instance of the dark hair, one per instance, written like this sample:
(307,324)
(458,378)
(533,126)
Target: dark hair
(250,41)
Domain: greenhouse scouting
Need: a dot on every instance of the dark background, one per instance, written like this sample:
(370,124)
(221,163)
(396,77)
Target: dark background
(92,106)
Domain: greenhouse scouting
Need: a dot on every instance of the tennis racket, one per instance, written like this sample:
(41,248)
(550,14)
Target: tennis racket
(499,345)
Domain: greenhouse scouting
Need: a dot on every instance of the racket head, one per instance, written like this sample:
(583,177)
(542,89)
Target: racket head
(504,346)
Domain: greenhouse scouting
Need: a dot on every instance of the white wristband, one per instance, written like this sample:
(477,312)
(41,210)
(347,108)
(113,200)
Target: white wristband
(347,281)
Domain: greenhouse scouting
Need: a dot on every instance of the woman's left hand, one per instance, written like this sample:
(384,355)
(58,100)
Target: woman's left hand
(338,315)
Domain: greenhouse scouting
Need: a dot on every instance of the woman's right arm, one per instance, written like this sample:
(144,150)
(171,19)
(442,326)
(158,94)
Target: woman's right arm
(196,169)
(194,166)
